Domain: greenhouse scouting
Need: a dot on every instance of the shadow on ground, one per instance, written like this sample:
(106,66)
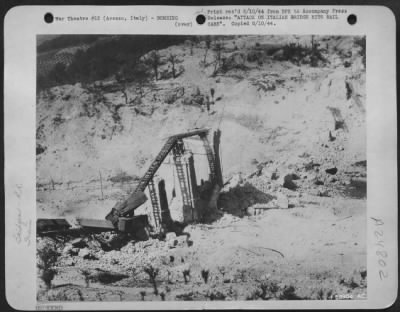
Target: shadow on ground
(238,199)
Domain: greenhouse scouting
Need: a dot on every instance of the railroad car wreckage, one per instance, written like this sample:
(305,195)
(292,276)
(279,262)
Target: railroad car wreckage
(196,169)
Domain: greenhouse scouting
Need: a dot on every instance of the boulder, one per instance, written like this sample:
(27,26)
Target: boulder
(274,175)
(251,211)
(332,171)
(311,166)
(318,182)
(235,181)
(94,244)
(84,252)
(287,181)
(333,180)
(79,243)
(182,240)
(282,201)
(67,250)
(169,236)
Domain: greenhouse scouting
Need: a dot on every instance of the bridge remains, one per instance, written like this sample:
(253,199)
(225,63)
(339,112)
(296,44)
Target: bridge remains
(180,186)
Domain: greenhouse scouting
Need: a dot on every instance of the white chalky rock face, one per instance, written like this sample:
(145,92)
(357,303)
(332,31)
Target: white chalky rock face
(170,236)
(284,131)
(175,208)
(282,201)
(84,252)
(235,181)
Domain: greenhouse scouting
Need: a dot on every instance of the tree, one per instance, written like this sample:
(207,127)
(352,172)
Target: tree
(48,257)
(207,47)
(134,72)
(152,273)
(191,47)
(217,57)
(121,79)
(186,275)
(86,275)
(205,274)
(314,51)
(154,60)
(173,59)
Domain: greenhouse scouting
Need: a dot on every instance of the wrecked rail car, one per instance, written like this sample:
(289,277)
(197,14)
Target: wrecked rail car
(181,195)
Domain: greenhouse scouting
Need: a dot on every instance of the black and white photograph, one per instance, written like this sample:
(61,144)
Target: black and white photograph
(201,167)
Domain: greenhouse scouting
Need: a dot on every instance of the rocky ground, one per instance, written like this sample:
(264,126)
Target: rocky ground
(292,214)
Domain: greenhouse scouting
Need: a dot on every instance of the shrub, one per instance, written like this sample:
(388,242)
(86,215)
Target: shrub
(186,275)
(206,48)
(186,296)
(349,91)
(154,61)
(162,295)
(48,257)
(86,275)
(297,54)
(215,295)
(204,275)
(222,270)
(152,273)
(40,149)
(268,290)
(289,293)
(255,56)
(58,120)
(325,295)
(219,60)
(103,59)
(173,59)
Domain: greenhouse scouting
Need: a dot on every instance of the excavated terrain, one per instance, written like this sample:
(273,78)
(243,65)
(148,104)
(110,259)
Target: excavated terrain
(291,218)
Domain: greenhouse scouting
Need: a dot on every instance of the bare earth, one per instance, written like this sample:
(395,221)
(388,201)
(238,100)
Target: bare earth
(266,241)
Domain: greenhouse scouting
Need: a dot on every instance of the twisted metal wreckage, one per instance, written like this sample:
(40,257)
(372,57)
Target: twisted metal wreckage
(195,199)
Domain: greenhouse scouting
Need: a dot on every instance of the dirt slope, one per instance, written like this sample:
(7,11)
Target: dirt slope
(279,119)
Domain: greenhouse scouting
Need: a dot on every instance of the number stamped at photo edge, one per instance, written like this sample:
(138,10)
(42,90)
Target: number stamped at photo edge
(380,251)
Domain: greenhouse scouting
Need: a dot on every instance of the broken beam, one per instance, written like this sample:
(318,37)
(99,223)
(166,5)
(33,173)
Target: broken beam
(93,223)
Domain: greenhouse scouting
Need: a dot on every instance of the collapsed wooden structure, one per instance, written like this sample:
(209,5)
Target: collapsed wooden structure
(122,216)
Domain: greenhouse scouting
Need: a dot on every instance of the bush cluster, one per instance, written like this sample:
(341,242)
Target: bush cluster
(104,58)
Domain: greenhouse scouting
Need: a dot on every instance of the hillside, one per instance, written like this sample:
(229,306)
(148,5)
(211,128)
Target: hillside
(292,114)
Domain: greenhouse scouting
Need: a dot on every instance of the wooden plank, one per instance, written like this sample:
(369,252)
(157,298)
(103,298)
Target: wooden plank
(190,133)
(95,223)
(134,201)
(132,224)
